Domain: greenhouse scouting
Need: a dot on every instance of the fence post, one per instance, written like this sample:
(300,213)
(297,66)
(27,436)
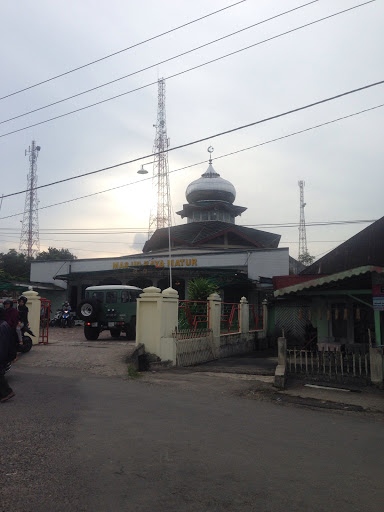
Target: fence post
(214,314)
(148,319)
(244,316)
(376,360)
(169,322)
(263,333)
(281,363)
(34,306)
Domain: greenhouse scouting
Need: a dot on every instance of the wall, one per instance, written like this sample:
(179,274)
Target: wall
(238,343)
(44,271)
(268,263)
(261,262)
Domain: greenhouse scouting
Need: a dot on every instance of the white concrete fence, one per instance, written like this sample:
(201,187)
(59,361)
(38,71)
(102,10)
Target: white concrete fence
(157,329)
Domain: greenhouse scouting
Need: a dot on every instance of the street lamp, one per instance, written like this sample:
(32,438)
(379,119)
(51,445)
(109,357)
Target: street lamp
(144,171)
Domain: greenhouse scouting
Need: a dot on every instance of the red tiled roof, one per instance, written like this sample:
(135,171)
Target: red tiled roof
(291,280)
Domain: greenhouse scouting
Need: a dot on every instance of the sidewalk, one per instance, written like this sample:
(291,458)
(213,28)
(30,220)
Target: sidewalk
(256,372)
(367,398)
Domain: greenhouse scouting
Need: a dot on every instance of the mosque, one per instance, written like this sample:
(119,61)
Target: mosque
(240,260)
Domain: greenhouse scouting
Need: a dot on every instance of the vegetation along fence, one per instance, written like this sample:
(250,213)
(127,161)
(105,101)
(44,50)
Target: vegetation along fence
(335,365)
(193,315)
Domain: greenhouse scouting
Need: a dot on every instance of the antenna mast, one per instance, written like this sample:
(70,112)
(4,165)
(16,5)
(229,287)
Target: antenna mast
(29,240)
(160,216)
(303,249)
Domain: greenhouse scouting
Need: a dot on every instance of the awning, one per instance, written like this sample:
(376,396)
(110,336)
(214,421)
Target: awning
(329,281)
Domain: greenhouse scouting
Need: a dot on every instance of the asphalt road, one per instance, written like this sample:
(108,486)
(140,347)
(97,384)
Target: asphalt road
(75,442)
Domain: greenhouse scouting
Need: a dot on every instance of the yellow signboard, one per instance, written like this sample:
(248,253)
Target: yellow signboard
(186,262)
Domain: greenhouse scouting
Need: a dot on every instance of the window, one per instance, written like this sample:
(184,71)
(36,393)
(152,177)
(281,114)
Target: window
(111,298)
(125,297)
(99,296)
(135,294)
(204,216)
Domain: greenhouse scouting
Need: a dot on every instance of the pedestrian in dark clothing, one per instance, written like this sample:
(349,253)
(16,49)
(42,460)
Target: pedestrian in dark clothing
(12,319)
(11,314)
(23,317)
(6,347)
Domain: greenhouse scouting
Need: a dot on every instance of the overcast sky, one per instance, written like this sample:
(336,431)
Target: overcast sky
(342,163)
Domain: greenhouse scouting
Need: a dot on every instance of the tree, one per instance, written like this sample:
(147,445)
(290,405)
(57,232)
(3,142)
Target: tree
(56,254)
(200,288)
(306,259)
(15,265)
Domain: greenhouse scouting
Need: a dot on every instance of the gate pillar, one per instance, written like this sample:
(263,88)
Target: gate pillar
(34,306)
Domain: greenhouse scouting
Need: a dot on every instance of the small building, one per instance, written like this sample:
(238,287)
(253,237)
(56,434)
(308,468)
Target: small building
(338,300)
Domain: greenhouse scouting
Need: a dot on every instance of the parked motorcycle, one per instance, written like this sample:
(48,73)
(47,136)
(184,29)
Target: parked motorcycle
(56,320)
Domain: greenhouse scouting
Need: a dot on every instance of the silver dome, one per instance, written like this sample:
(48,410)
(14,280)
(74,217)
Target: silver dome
(210,187)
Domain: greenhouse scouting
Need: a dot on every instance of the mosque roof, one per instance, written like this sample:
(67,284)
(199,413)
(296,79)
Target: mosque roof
(195,234)
(210,187)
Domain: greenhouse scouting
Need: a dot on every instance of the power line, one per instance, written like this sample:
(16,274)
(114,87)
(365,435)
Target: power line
(157,63)
(121,51)
(183,72)
(123,230)
(204,139)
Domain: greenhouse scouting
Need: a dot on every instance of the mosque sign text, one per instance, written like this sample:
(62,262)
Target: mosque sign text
(184,262)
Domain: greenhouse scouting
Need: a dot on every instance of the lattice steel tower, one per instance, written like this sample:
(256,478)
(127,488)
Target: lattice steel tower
(160,216)
(303,249)
(29,240)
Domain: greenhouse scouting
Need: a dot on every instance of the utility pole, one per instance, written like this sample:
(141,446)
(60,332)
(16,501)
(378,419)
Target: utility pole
(29,240)
(160,216)
(303,249)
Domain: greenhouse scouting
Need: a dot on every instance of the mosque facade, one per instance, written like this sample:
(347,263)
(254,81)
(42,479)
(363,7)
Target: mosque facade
(239,259)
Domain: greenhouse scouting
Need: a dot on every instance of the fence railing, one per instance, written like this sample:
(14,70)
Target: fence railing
(187,334)
(194,347)
(334,364)
(193,315)
(230,318)
(255,317)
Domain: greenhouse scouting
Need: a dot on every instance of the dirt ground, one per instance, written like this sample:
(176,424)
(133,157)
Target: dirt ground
(68,348)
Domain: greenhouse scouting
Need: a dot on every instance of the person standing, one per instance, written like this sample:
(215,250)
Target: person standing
(6,348)
(12,319)
(23,317)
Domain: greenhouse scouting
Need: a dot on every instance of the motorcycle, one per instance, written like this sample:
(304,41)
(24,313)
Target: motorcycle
(56,320)
(66,319)
(22,347)
(27,340)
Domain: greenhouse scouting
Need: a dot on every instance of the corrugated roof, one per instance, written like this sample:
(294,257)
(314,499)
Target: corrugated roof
(333,278)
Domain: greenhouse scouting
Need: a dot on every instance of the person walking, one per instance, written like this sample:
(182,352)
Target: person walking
(6,349)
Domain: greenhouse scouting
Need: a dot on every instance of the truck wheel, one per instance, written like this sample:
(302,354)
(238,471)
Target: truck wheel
(91,333)
(115,333)
(88,310)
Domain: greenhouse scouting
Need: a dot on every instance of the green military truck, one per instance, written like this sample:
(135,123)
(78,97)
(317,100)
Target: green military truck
(111,307)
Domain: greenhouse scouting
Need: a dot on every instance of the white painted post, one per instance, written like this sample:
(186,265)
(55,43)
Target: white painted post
(34,306)
(148,319)
(214,314)
(169,322)
(265,319)
(244,316)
